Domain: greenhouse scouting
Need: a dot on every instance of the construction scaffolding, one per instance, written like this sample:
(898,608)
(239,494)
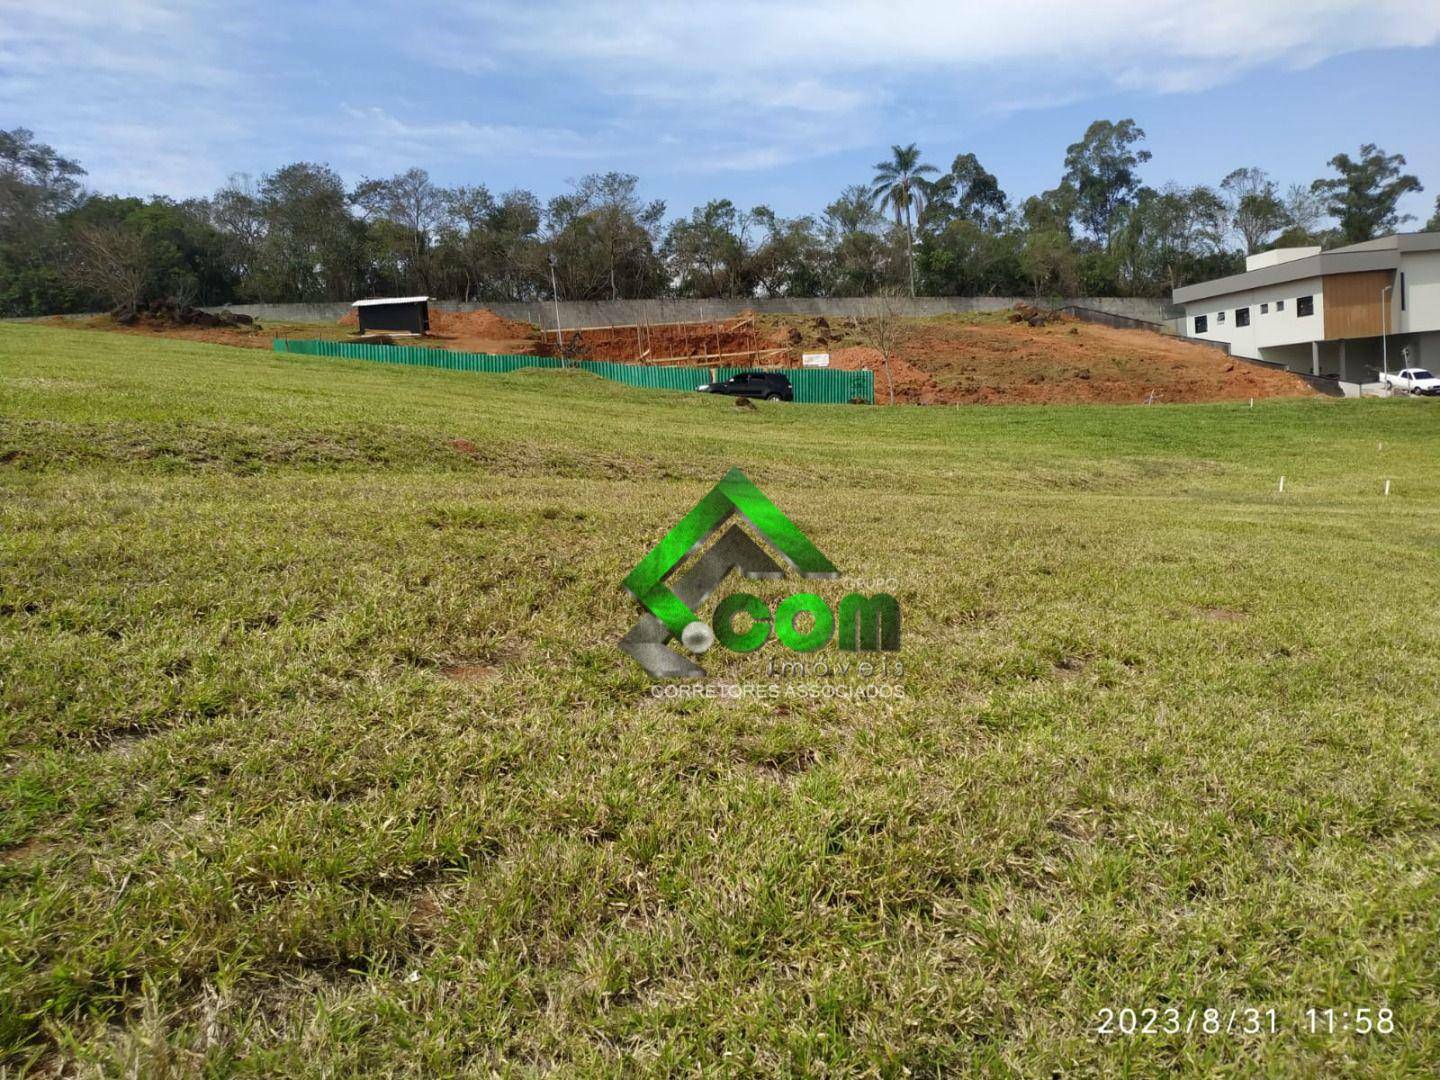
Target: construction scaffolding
(689,343)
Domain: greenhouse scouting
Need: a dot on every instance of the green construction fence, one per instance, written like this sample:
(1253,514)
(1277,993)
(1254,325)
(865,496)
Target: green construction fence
(812,386)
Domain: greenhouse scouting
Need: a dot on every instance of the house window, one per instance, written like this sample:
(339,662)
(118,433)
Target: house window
(1279,305)
(1402,292)
(1264,309)
(1242,316)
(1202,323)
(1304,305)
(1219,318)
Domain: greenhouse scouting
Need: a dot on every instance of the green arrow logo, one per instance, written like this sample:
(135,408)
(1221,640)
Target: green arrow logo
(735,494)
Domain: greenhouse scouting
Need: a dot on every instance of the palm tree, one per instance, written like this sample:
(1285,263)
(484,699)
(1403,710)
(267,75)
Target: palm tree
(899,182)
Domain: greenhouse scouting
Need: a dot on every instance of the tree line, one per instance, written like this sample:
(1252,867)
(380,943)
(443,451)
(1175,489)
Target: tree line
(301,234)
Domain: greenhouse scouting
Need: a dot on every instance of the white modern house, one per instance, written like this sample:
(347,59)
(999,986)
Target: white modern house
(1346,313)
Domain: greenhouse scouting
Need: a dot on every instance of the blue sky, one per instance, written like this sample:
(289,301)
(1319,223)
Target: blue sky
(778,102)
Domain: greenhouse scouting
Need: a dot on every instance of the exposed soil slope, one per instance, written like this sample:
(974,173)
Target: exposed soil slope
(475,331)
(985,359)
(724,339)
(947,360)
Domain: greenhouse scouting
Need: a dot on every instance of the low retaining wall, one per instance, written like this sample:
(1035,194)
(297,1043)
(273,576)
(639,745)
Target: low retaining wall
(1111,319)
(578,313)
(812,386)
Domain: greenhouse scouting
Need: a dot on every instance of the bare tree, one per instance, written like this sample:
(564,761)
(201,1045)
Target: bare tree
(879,327)
(1256,209)
(110,259)
(1304,208)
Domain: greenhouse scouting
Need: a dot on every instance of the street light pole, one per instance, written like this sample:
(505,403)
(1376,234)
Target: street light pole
(1384,332)
(555,295)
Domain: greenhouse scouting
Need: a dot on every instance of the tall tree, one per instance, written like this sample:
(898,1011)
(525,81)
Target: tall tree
(851,229)
(707,252)
(494,244)
(604,237)
(969,192)
(900,183)
(235,212)
(1051,211)
(1102,170)
(1048,263)
(406,211)
(1433,225)
(313,247)
(966,259)
(1172,237)
(1304,213)
(463,239)
(37,185)
(1364,197)
(789,259)
(514,229)
(1255,209)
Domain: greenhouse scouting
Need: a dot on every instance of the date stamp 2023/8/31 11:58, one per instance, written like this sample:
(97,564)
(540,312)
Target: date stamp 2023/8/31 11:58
(1242,1020)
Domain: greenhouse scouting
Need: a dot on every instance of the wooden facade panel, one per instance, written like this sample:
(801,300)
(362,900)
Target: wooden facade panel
(1352,304)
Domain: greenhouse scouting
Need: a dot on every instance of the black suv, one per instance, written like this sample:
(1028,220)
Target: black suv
(770,385)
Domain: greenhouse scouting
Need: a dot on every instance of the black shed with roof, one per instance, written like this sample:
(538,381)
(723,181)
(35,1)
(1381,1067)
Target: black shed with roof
(395,314)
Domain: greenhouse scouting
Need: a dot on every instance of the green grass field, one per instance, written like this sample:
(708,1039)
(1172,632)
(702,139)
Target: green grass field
(319,757)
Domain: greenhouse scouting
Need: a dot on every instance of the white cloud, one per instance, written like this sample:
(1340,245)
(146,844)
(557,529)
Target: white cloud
(778,55)
(1058,36)
(147,94)
(772,81)
(172,94)
(378,137)
(164,42)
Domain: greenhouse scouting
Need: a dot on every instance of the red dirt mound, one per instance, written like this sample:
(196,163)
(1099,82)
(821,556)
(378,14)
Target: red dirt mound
(476,331)
(478,324)
(912,385)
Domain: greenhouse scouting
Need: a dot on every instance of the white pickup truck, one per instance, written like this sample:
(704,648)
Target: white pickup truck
(1412,380)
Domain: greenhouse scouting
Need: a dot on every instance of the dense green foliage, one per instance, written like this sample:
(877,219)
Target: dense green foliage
(1363,197)
(317,756)
(301,234)
(37,186)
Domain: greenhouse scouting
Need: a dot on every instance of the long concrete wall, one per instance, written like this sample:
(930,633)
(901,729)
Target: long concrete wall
(578,313)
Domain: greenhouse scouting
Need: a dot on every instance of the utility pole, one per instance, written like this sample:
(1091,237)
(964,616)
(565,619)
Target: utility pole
(555,294)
